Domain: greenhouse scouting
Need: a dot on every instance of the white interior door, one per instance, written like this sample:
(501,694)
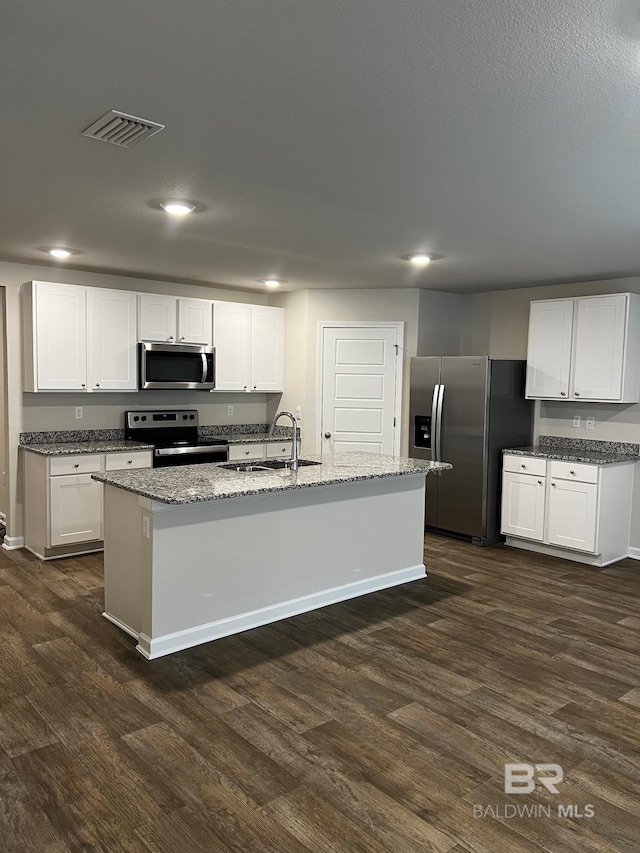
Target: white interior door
(361,381)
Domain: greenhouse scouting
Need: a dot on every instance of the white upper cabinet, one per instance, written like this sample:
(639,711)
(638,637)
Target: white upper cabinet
(599,347)
(55,337)
(267,348)
(585,349)
(249,342)
(549,350)
(158,317)
(174,319)
(232,340)
(112,343)
(194,321)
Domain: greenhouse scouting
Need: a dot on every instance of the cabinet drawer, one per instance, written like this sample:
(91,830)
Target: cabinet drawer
(525,465)
(245,451)
(122,461)
(279,450)
(86,464)
(573,471)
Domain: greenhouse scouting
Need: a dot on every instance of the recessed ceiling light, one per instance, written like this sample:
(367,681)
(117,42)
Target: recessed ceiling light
(177,208)
(421,259)
(272,282)
(58,252)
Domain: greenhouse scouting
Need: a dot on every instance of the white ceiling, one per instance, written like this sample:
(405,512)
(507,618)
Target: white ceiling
(326,138)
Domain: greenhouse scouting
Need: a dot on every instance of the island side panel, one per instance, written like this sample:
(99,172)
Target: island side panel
(229,565)
(127,561)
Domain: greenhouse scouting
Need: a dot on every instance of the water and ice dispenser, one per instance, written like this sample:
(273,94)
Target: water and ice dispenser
(422,431)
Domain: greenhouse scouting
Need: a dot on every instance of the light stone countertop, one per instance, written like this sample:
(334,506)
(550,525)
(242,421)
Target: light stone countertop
(73,448)
(591,451)
(565,455)
(187,484)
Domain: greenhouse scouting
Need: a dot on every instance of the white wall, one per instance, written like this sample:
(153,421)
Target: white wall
(33,412)
(305,311)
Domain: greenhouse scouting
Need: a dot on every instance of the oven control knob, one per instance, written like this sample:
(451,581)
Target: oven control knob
(192,417)
(136,418)
(184,417)
(144,417)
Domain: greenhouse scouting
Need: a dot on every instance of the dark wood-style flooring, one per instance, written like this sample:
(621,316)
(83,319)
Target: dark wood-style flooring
(374,725)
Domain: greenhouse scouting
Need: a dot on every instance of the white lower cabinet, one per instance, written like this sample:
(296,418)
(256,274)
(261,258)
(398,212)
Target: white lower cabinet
(255,451)
(523,505)
(573,510)
(75,509)
(63,505)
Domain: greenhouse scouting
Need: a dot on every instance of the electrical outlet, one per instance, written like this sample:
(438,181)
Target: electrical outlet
(299,413)
(229,410)
(79,412)
(590,423)
(576,420)
(145,526)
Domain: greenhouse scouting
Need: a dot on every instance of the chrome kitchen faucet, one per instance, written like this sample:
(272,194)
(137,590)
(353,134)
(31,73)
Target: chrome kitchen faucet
(293,466)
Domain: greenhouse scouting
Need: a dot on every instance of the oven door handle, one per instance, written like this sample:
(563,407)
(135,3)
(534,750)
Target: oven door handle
(179,451)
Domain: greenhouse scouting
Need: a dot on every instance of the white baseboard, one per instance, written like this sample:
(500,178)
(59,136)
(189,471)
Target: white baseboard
(159,646)
(121,625)
(12,543)
(634,553)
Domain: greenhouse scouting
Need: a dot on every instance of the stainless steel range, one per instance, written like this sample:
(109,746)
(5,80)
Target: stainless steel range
(174,434)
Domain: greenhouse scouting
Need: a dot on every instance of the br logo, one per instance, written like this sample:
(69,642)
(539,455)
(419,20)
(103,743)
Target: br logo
(523,778)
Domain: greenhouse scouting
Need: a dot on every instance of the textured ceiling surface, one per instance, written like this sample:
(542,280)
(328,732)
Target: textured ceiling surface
(325,138)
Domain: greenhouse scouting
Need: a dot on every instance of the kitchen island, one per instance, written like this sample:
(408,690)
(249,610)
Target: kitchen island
(198,552)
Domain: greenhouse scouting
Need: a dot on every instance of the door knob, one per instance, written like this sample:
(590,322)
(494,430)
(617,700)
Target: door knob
(327,435)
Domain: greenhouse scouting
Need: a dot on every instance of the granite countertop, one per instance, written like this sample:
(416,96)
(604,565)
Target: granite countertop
(72,448)
(70,442)
(252,437)
(188,484)
(580,450)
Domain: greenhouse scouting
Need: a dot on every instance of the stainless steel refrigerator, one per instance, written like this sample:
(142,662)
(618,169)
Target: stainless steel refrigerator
(465,410)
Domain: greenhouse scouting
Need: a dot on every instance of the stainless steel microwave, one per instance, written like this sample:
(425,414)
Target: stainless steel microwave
(177,366)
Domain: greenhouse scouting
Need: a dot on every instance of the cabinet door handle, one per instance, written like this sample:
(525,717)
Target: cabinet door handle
(254,387)
(554,485)
(576,393)
(573,473)
(83,384)
(245,387)
(170,337)
(246,452)
(539,482)
(523,465)
(563,393)
(183,338)
(129,461)
(97,384)
(77,465)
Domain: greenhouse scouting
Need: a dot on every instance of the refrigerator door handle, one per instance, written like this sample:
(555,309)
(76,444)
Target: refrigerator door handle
(434,422)
(439,425)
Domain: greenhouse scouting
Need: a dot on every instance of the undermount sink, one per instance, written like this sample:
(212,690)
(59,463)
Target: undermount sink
(269,465)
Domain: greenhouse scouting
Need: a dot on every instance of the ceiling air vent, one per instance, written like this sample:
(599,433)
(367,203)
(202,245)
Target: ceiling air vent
(122,129)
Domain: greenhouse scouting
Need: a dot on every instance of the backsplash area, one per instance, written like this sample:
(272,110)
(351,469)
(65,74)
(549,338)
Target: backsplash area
(623,448)
(209,431)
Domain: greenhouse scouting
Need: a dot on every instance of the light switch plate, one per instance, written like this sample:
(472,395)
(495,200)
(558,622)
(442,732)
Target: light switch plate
(576,420)
(590,423)
(79,412)
(229,410)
